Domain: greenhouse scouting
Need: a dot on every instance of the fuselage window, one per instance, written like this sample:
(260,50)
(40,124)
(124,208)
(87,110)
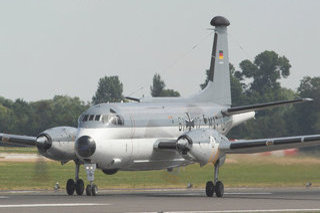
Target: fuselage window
(85,118)
(91,117)
(97,118)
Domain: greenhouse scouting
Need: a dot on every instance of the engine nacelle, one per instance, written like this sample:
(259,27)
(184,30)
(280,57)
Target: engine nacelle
(58,143)
(201,145)
(110,171)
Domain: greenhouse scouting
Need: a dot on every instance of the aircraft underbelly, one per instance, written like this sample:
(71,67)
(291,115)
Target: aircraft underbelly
(145,165)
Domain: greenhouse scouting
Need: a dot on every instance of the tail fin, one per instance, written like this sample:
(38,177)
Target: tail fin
(218,88)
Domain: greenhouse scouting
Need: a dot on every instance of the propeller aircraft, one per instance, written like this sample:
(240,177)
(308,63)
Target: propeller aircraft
(161,133)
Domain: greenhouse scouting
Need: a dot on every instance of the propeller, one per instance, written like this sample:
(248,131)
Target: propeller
(172,175)
(40,173)
(43,143)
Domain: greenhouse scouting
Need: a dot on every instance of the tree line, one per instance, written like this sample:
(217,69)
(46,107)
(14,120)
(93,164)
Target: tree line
(256,81)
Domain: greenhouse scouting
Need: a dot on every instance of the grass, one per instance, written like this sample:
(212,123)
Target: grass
(27,150)
(238,171)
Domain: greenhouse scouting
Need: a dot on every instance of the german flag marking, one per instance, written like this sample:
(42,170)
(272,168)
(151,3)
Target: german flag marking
(220,54)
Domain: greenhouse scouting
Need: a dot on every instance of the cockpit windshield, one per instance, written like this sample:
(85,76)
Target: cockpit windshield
(107,119)
(112,119)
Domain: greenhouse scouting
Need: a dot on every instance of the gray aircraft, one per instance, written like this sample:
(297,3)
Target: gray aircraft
(161,133)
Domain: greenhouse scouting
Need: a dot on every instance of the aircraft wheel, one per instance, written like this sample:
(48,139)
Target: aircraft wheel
(89,190)
(94,190)
(209,189)
(79,187)
(70,187)
(219,189)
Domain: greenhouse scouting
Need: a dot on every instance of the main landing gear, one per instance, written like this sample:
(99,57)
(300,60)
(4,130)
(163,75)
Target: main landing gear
(78,184)
(216,186)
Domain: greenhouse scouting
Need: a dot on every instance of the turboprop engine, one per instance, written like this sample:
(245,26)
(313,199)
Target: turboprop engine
(201,145)
(57,143)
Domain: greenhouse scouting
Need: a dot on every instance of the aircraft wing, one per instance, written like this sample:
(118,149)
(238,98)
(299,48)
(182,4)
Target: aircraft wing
(270,144)
(255,107)
(18,139)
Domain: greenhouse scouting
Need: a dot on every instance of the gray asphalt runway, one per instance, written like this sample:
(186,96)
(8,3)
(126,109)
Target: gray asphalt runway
(235,200)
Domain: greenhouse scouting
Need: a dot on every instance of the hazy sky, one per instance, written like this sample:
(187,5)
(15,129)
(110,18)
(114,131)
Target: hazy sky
(64,47)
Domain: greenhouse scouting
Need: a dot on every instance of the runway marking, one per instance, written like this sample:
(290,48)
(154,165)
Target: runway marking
(244,211)
(54,205)
(228,193)
(248,193)
(17,192)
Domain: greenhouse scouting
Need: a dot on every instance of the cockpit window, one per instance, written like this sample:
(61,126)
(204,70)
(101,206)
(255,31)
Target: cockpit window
(85,118)
(112,119)
(97,118)
(91,117)
(120,120)
(105,118)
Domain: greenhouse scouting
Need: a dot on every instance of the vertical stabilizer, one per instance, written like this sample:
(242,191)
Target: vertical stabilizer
(218,88)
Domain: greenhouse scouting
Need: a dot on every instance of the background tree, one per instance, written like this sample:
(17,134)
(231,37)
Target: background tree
(21,117)
(158,88)
(109,90)
(268,67)
(205,83)
(305,118)
(264,73)
(158,85)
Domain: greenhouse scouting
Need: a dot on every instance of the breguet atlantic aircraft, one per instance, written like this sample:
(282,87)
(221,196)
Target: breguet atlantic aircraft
(161,133)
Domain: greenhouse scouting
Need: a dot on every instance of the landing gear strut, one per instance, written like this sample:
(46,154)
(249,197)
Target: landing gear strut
(91,189)
(76,185)
(216,186)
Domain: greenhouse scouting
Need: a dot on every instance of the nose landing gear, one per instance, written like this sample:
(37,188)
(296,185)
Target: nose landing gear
(91,189)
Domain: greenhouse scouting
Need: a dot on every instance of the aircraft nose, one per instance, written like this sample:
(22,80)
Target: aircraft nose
(85,146)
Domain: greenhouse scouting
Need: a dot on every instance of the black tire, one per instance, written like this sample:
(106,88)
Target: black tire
(94,189)
(219,189)
(88,190)
(209,189)
(79,187)
(70,187)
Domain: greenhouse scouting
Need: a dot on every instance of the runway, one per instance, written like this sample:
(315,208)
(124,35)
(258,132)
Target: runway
(171,200)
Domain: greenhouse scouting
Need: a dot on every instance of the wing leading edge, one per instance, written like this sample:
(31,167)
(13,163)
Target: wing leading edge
(18,140)
(271,144)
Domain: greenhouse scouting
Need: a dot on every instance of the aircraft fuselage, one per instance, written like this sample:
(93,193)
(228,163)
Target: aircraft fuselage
(125,133)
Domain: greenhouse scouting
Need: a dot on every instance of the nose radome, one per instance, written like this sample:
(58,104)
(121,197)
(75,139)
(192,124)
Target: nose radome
(85,146)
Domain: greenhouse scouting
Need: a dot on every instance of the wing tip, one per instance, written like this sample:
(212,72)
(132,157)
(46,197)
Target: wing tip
(307,99)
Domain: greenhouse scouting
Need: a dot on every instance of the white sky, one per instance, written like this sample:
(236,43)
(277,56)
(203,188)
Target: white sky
(64,47)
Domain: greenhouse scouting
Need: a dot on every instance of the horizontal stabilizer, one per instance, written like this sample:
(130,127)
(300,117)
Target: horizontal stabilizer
(255,107)
(18,140)
(132,99)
